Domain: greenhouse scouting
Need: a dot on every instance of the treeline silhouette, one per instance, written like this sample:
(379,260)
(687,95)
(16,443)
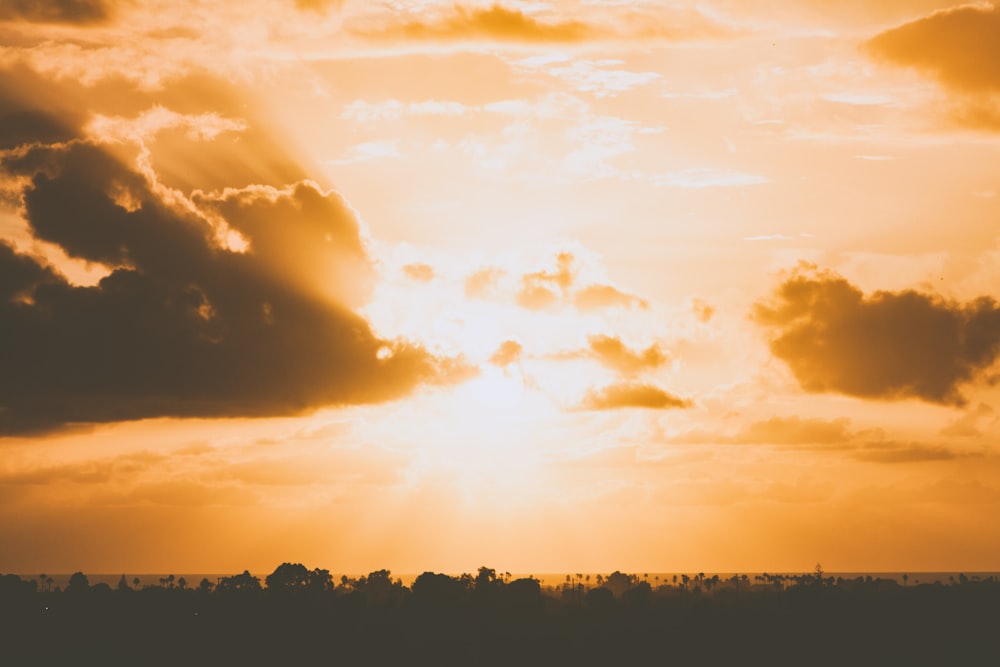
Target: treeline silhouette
(301,616)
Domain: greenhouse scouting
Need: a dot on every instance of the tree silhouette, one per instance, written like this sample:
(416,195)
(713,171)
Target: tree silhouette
(78,583)
(288,577)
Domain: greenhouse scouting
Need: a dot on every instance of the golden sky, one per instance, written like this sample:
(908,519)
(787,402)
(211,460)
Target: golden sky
(544,286)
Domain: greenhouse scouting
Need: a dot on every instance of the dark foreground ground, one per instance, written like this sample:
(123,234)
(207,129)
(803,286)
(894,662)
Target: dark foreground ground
(299,617)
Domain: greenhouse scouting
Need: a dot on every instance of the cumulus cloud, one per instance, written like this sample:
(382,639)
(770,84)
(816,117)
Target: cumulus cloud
(886,345)
(631,395)
(182,325)
(55,11)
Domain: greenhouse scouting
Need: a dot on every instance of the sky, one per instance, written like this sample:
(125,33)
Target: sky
(543,286)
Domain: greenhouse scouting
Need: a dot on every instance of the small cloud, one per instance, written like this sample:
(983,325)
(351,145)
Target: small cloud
(492,23)
(542,289)
(611,352)
(631,395)
(481,283)
(597,297)
(702,310)
(318,6)
(508,353)
(421,273)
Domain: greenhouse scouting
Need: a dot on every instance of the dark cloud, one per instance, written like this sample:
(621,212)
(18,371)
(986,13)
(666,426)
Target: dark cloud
(960,46)
(421,273)
(182,326)
(55,11)
(613,353)
(886,345)
(508,353)
(18,127)
(494,23)
(631,395)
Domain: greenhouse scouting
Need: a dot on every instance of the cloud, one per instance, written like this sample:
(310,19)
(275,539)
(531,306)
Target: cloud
(421,273)
(598,297)
(702,310)
(55,11)
(887,345)
(959,46)
(318,5)
(493,23)
(545,289)
(508,353)
(795,431)
(631,395)
(613,353)
(967,426)
(542,289)
(481,283)
(778,431)
(182,325)
(892,452)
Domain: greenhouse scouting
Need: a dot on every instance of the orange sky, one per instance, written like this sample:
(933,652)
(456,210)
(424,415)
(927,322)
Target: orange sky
(561,286)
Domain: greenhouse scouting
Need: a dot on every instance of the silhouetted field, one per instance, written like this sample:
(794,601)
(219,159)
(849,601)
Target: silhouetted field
(298,616)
